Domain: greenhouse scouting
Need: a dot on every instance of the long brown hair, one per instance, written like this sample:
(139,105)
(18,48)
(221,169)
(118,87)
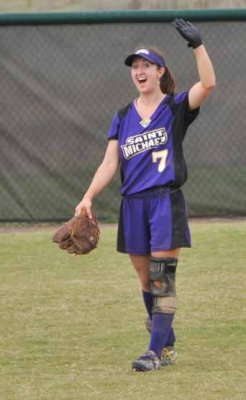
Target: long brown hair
(167,83)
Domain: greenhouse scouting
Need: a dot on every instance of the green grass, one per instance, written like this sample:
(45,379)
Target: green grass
(71,326)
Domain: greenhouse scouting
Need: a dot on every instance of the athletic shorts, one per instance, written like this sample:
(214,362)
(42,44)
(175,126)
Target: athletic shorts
(153,220)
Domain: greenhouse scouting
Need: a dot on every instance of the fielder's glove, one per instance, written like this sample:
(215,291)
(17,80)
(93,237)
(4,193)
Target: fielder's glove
(79,235)
(189,32)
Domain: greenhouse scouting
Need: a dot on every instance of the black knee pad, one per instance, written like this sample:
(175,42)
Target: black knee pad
(162,274)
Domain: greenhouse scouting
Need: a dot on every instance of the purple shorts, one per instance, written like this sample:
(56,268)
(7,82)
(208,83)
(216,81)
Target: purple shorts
(153,220)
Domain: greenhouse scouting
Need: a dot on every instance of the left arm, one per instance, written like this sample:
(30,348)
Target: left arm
(202,89)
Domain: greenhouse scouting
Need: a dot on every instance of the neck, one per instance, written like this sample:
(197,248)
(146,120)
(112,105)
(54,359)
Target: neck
(147,104)
(151,98)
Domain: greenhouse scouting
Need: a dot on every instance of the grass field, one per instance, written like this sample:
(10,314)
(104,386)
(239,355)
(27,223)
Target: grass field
(71,326)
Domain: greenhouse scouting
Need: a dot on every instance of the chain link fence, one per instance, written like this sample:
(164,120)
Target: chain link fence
(62,83)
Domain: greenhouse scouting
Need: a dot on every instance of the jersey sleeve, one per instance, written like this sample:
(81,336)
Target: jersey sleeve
(181,99)
(113,131)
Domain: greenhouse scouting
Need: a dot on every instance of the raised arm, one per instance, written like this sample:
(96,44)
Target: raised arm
(102,178)
(202,89)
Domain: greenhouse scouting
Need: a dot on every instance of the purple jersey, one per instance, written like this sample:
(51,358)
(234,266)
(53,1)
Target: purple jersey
(152,155)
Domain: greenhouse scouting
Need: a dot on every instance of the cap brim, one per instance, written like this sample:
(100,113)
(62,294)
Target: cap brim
(130,58)
(153,59)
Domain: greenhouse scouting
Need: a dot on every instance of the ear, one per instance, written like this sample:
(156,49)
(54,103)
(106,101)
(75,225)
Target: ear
(161,71)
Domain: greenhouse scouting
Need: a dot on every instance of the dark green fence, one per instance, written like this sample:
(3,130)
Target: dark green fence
(63,78)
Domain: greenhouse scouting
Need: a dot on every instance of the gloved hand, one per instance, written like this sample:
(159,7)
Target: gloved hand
(80,235)
(189,32)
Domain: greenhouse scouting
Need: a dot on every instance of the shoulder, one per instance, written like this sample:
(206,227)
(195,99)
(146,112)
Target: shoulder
(123,111)
(180,97)
(114,129)
(177,101)
(180,107)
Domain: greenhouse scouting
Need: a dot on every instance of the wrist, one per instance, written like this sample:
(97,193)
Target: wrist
(87,197)
(195,45)
(199,50)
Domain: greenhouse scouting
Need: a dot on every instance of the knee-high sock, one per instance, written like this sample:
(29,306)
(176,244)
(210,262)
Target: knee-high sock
(148,301)
(171,338)
(161,325)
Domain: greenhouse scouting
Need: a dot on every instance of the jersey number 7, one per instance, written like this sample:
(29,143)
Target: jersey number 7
(162,156)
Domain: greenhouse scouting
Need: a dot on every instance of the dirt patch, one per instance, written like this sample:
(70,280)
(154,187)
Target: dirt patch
(41,227)
(26,227)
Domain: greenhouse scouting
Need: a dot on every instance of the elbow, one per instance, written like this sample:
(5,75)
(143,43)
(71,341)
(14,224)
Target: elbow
(211,83)
(210,86)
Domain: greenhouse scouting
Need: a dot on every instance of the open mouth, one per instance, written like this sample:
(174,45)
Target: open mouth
(142,80)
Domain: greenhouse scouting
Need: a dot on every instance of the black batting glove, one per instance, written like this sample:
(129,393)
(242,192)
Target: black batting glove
(189,32)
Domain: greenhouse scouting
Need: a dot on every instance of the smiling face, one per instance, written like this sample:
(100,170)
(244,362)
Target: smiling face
(146,76)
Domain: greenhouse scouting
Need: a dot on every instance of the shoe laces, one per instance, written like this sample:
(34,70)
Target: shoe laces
(167,353)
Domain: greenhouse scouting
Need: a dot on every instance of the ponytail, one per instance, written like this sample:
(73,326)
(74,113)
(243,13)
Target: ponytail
(167,83)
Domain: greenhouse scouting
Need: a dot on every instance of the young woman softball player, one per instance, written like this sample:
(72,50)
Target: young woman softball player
(145,142)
